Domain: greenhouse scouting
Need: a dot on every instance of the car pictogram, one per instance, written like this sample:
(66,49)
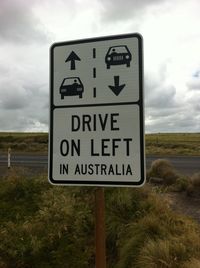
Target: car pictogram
(118,55)
(71,86)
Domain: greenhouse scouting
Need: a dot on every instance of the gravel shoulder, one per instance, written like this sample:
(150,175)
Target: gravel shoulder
(184,204)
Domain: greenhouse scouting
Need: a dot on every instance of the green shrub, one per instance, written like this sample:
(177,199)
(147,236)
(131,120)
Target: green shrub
(19,195)
(44,225)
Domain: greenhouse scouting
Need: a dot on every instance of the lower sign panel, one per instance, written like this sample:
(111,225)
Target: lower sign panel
(97,146)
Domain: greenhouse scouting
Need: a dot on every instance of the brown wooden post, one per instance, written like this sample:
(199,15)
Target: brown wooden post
(100,237)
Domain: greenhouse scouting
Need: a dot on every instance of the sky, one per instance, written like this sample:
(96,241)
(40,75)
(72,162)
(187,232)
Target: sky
(171,35)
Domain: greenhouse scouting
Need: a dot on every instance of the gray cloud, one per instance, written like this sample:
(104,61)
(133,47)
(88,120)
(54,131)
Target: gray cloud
(18,121)
(116,10)
(159,94)
(30,114)
(182,117)
(165,110)
(24,90)
(24,98)
(13,95)
(19,24)
(194,83)
(176,123)
(193,101)
(161,97)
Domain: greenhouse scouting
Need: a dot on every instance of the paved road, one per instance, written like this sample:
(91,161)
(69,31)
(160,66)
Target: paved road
(184,164)
(25,160)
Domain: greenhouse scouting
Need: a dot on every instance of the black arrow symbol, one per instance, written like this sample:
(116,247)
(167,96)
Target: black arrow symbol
(73,57)
(116,89)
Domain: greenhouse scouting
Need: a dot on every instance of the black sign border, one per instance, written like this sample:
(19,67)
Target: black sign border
(141,109)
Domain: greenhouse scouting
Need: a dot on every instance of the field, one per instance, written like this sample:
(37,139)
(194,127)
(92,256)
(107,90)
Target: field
(45,226)
(24,142)
(48,226)
(173,144)
(156,144)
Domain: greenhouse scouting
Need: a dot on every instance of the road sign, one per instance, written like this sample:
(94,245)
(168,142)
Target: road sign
(96,112)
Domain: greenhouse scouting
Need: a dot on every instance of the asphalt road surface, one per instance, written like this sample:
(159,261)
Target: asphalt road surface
(31,160)
(184,164)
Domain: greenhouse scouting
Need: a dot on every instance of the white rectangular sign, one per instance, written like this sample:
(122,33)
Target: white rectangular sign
(96,113)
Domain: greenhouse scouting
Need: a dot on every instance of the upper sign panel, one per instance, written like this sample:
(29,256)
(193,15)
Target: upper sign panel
(96,71)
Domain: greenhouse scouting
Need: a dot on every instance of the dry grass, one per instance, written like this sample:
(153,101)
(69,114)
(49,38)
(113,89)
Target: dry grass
(192,263)
(194,184)
(24,142)
(166,254)
(159,239)
(173,143)
(161,168)
(158,144)
(195,179)
(52,226)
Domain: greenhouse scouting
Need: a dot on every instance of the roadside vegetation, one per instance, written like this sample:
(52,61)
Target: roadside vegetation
(173,144)
(52,226)
(156,144)
(24,142)
(163,174)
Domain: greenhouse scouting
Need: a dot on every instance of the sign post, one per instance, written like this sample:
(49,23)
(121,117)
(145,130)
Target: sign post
(100,234)
(97,118)
(96,112)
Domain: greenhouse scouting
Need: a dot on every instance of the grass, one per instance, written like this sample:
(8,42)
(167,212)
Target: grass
(173,144)
(163,174)
(42,225)
(51,226)
(163,169)
(156,144)
(193,184)
(195,179)
(24,142)
(48,226)
(150,236)
(22,134)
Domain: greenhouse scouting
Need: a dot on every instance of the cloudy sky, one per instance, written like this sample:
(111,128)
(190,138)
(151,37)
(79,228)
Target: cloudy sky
(171,32)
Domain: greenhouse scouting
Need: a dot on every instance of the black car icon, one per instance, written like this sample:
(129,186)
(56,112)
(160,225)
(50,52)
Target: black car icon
(71,86)
(118,55)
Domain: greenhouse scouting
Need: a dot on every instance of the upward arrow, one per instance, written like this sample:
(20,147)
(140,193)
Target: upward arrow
(116,89)
(72,58)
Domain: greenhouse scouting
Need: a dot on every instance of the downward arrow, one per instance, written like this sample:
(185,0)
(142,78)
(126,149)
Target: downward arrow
(72,57)
(116,89)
